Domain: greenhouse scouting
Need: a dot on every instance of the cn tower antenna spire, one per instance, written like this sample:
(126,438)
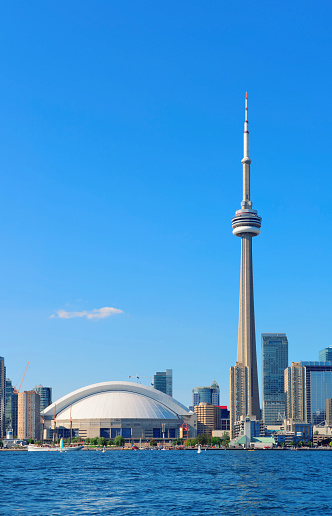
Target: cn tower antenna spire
(246,132)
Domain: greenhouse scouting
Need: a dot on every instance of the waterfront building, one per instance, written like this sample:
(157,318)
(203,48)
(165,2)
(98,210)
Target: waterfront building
(11,407)
(28,424)
(208,418)
(246,225)
(224,418)
(302,431)
(45,394)
(210,395)
(329,412)
(274,363)
(110,409)
(163,381)
(2,398)
(294,384)
(318,388)
(307,386)
(325,355)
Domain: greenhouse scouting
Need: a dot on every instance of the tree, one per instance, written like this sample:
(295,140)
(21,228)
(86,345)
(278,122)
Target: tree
(177,442)
(203,439)
(119,440)
(216,441)
(110,442)
(153,442)
(1,444)
(87,440)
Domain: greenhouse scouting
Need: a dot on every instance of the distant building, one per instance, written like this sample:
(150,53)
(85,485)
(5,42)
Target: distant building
(224,418)
(325,355)
(209,395)
(295,392)
(208,418)
(11,407)
(307,386)
(248,427)
(28,415)
(318,388)
(2,397)
(45,394)
(274,363)
(163,381)
(239,381)
(329,412)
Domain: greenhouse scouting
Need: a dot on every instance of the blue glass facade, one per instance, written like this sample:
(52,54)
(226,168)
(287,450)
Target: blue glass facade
(208,395)
(325,355)
(318,388)
(274,363)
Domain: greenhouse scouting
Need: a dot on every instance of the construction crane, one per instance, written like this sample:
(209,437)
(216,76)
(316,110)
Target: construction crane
(138,377)
(16,391)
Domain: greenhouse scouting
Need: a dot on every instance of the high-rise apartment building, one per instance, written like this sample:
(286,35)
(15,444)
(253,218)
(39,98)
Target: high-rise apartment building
(11,407)
(325,355)
(274,363)
(45,394)
(163,381)
(2,397)
(208,418)
(28,415)
(307,386)
(209,395)
(329,412)
(294,384)
(246,225)
(318,388)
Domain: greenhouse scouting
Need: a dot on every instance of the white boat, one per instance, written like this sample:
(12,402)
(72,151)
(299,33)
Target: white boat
(37,448)
(199,449)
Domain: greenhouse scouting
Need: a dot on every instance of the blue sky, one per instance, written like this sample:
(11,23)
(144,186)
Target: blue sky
(120,149)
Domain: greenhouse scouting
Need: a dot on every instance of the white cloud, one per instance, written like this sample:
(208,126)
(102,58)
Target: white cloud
(96,313)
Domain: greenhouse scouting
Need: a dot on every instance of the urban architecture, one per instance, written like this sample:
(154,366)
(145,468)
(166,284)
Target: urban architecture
(28,424)
(243,377)
(11,408)
(210,395)
(294,384)
(307,387)
(163,381)
(318,388)
(45,394)
(224,418)
(329,412)
(274,363)
(208,418)
(2,398)
(109,409)
(325,355)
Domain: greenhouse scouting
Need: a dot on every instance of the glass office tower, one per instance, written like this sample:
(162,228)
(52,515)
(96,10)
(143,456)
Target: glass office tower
(318,388)
(208,395)
(45,394)
(2,397)
(274,363)
(325,355)
(163,381)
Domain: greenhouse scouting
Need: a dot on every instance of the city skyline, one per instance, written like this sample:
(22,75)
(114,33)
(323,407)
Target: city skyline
(119,162)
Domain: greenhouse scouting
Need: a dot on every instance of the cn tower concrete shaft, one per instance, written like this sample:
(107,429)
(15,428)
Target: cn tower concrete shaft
(246,224)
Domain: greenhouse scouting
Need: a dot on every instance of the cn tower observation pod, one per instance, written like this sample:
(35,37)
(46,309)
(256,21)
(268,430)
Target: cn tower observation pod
(109,409)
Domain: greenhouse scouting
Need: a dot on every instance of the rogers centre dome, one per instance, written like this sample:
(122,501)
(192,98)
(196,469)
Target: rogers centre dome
(109,409)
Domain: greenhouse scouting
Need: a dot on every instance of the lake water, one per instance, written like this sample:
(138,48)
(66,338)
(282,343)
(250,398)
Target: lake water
(166,482)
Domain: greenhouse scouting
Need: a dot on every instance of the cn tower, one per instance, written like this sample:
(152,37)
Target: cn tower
(246,225)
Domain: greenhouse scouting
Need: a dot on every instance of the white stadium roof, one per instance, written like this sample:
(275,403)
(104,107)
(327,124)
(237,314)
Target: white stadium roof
(116,400)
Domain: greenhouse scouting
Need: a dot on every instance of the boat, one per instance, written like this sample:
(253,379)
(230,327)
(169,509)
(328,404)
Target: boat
(199,449)
(61,448)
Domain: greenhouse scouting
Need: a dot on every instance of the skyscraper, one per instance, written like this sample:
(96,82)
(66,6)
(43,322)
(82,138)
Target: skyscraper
(2,397)
(274,363)
(28,415)
(208,395)
(163,381)
(246,225)
(11,407)
(45,394)
(325,355)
